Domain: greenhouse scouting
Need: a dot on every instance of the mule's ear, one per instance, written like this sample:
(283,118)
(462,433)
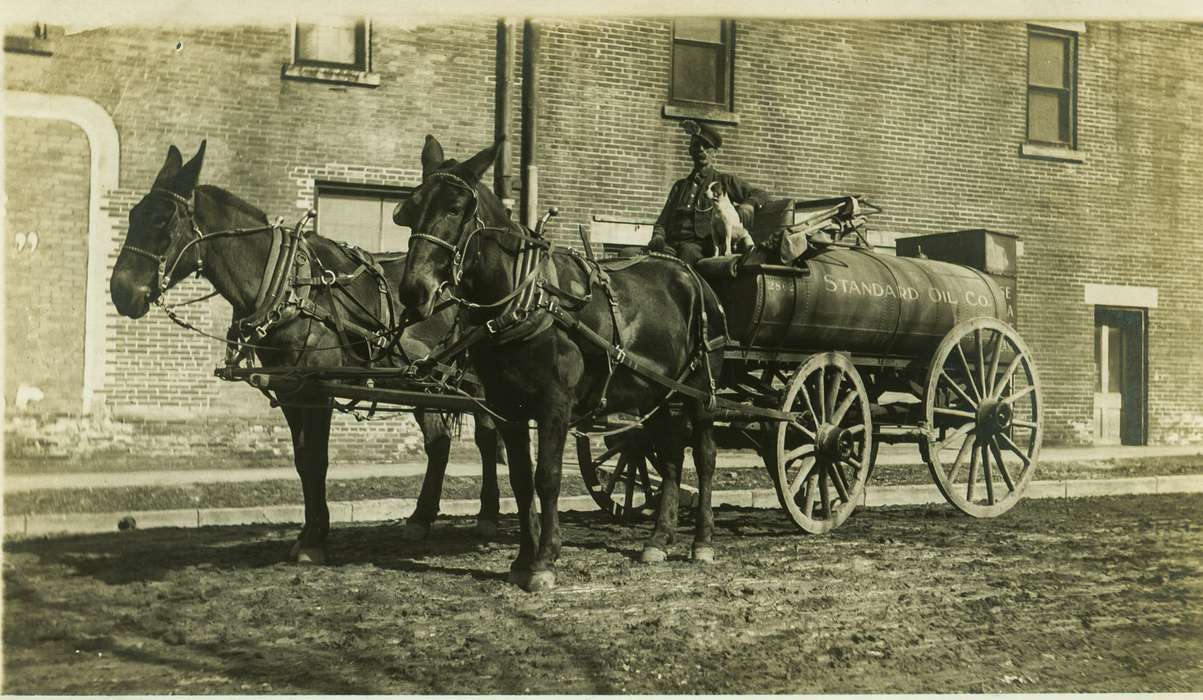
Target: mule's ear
(479,163)
(171,166)
(432,155)
(190,174)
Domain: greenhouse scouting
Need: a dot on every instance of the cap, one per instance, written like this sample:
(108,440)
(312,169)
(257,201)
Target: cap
(701,131)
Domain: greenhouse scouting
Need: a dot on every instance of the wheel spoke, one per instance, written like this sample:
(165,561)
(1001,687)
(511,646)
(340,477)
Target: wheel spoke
(1024,424)
(994,357)
(645,480)
(629,500)
(822,392)
(808,508)
(800,451)
(968,372)
(981,360)
(966,444)
(986,474)
(824,493)
(805,431)
(957,388)
(834,393)
(972,474)
(806,471)
(616,474)
(809,406)
(605,456)
(840,481)
(1007,375)
(955,412)
(1027,462)
(838,415)
(1019,395)
(856,429)
(1002,468)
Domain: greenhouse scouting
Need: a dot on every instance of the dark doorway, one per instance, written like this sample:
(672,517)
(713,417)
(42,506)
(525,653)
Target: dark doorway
(1119,375)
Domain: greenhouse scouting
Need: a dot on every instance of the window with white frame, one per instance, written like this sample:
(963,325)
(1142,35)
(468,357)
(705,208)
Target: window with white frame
(362,215)
(335,43)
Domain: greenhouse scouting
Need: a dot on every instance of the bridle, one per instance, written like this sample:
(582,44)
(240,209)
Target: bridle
(183,208)
(459,250)
(178,205)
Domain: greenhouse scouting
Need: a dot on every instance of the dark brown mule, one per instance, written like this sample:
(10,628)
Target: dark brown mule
(543,367)
(180,227)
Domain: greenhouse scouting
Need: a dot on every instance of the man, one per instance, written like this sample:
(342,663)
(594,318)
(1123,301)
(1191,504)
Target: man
(684,226)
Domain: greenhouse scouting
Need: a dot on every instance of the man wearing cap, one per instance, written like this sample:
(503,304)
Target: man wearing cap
(683,228)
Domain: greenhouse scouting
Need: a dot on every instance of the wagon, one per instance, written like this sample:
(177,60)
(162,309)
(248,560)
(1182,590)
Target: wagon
(826,359)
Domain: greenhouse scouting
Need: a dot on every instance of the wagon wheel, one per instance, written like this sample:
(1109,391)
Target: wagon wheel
(983,409)
(619,479)
(823,455)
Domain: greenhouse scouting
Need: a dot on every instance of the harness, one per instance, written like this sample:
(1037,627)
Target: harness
(537,302)
(291,272)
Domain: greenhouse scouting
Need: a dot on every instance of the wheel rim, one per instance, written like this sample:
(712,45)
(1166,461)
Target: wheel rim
(619,478)
(983,413)
(823,456)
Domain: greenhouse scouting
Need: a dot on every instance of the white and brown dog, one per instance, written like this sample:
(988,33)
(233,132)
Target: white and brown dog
(728,232)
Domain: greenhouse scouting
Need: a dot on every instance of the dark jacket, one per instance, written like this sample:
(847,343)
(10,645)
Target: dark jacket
(686,214)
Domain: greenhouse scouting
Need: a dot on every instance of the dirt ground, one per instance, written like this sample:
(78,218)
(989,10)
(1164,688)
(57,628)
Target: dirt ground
(1058,595)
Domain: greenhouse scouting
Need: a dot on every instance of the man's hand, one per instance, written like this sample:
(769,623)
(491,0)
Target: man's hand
(746,211)
(657,244)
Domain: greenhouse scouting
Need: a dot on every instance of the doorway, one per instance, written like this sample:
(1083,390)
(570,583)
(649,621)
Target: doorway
(1120,369)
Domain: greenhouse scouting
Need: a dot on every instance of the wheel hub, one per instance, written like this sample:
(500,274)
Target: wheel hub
(834,443)
(994,417)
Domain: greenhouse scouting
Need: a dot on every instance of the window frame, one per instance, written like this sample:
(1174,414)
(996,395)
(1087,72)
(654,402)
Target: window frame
(364,190)
(682,108)
(308,70)
(362,52)
(1039,148)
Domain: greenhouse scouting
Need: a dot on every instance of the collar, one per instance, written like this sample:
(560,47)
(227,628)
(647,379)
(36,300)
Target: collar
(705,173)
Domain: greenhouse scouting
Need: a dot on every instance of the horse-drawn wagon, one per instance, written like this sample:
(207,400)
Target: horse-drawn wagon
(813,363)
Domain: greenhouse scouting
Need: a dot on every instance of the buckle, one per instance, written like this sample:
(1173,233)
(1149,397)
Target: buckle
(489,326)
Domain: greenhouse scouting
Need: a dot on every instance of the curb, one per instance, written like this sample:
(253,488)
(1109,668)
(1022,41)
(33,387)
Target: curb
(36,525)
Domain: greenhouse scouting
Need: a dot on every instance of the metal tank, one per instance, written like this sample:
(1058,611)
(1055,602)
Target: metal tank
(855,300)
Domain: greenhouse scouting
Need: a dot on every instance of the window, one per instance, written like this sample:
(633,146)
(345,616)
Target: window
(361,215)
(332,43)
(702,61)
(1052,87)
(332,51)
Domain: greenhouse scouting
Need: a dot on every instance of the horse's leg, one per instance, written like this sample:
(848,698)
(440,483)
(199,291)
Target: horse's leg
(436,437)
(703,459)
(553,432)
(517,447)
(486,441)
(671,450)
(310,428)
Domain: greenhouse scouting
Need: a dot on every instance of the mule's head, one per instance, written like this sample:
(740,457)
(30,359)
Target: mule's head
(159,227)
(444,212)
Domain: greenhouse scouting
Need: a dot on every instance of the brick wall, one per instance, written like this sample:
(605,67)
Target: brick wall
(926,119)
(47,175)
(268,139)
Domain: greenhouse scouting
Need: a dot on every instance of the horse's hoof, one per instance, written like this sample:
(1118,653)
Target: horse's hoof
(653,555)
(414,531)
(313,556)
(485,529)
(702,554)
(541,581)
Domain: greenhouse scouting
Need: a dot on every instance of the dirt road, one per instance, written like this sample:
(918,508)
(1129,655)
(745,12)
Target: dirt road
(1057,595)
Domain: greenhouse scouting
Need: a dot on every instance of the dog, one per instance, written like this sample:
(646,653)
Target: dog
(728,232)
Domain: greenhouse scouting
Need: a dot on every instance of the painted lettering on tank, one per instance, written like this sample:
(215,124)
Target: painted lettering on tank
(868,289)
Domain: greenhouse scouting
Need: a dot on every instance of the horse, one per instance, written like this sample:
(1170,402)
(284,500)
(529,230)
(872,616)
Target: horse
(342,312)
(567,339)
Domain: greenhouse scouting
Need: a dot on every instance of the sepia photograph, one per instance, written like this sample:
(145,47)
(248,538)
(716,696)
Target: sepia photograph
(617,348)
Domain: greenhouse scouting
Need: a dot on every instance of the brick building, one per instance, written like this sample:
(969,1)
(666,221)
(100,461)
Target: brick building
(1081,139)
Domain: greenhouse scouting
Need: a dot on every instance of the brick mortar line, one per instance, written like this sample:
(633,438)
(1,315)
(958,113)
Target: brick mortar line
(398,508)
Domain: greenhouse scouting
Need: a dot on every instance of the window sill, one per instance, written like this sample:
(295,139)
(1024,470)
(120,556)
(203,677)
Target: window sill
(1057,153)
(323,74)
(702,114)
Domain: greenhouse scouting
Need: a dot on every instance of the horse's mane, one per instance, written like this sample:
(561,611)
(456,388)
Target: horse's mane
(231,200)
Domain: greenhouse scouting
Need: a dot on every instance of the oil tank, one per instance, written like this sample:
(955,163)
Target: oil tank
(854,300)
